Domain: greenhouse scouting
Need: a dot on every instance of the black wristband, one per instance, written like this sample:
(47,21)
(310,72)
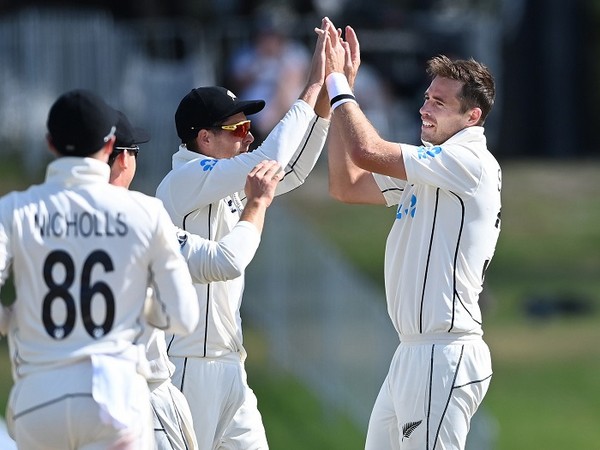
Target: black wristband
(337,98)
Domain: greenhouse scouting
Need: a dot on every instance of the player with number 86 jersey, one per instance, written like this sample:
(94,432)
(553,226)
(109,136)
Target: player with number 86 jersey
(83,253)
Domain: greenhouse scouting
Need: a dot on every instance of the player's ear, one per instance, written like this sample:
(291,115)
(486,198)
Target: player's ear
(474,117)
(125,161)
(204,136)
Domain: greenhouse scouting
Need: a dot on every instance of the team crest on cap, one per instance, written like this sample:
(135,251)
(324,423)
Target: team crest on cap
(231,94)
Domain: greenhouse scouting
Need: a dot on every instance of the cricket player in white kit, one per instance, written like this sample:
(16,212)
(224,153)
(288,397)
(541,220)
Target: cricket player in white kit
(172,421)
(83,253)
(447,198)
(208,261)
(203,195)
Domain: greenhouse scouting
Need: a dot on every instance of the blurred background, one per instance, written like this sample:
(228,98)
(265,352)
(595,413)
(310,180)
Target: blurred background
(316,327)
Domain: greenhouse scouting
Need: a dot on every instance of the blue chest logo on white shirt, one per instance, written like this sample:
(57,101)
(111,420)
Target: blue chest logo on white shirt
(429,152)
(407,210)
(208,164)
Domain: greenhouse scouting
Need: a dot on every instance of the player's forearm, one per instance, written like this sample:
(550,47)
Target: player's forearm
(310,93)
(365,147)
(342,171)
(316,75)
(349,183)
(361,141)
(254,212)
(322,108)
(355,133)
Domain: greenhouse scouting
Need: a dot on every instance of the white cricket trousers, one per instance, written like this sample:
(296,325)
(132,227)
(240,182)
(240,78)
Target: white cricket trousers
(431,392)
(64,409)
(224,409)
(173,425)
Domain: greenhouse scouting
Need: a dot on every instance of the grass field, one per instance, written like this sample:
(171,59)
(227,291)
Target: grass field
(546,388)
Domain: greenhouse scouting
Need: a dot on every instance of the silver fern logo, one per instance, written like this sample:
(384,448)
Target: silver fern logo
(408,428)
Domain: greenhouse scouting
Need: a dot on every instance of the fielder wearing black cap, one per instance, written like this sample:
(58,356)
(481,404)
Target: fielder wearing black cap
(206,107)
(68,225)
(80,123)
(205,193)
(128,135)
(127,138)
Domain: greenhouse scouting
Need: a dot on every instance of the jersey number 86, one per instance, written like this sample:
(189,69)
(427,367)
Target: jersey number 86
(60,292)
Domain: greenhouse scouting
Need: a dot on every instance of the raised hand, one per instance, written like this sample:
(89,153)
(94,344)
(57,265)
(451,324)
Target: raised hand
(335,51)
(262,181)
(353,56)
(317,68)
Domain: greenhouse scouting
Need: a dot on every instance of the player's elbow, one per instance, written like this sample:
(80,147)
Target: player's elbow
(223,270)
(233,263)
(343,193)
(337,192)
(230,270)
(236,270)
(361,155)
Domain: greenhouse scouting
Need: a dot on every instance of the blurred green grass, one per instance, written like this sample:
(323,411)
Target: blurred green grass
(546,387)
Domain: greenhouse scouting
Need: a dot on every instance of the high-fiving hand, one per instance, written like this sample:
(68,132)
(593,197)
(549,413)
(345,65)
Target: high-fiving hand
(340,55)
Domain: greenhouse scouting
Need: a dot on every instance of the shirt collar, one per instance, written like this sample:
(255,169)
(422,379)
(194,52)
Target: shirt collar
(184,156)
(72,170)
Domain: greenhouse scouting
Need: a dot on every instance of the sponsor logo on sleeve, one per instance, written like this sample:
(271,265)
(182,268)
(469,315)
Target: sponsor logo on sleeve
(428,152)
(208,164)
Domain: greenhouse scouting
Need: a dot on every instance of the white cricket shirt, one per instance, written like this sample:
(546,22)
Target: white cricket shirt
(444,236)
(204,196)
(83,253)
(207,261)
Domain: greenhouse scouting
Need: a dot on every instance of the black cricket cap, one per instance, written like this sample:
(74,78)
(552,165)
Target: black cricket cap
(208,106)
(80,123)
(128,135)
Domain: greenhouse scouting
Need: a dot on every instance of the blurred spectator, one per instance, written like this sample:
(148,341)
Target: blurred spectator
(273,67)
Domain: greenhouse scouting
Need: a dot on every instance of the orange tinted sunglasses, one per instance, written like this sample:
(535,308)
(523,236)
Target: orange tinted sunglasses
(240,129)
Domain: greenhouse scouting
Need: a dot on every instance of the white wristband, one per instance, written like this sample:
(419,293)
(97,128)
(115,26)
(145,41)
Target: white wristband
(338,90)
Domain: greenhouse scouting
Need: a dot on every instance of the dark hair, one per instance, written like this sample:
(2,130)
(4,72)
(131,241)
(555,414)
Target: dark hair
(113,156)
(191,145)
(478,89)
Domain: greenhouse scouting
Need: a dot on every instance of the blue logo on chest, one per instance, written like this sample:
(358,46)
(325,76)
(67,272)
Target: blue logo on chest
(407,210)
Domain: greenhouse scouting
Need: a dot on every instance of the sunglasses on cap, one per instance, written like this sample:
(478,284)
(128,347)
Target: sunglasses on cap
(240,129)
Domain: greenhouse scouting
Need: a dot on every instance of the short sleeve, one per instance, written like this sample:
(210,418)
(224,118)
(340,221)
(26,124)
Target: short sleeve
(452,167)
